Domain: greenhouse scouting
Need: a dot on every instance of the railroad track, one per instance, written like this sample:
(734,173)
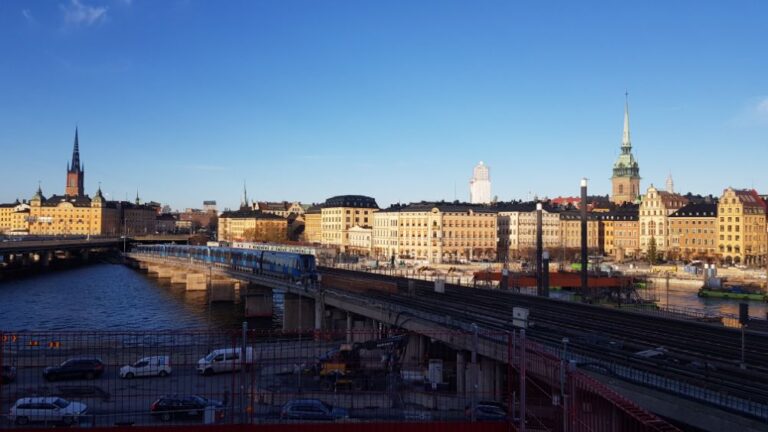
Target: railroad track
(716,349)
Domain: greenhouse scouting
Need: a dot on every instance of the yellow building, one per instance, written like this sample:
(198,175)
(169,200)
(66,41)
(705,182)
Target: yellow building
(517,229)
(312,225)
(570,233)
(385,241)
(251,225)
(14,218)
(444,232)
(340,213)
(621,232)
(741,227)
(655,208)
(73,215)
(693,232)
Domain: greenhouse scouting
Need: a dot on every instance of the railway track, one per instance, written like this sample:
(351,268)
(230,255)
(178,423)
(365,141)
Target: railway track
(703,354)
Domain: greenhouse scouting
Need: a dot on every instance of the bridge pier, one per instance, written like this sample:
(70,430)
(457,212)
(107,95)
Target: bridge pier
(258,301)
(178,277)
(490,379)
(160,272)
(298,313)
(45,259)
(222,290)
(196,282)
(461,373)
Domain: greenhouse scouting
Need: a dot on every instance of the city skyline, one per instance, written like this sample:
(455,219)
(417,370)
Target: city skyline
(290,107)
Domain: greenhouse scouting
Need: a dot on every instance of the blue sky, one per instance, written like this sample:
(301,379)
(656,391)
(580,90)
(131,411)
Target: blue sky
(184,99)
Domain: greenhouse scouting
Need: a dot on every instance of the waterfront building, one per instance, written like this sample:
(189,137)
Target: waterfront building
(166,223)
(73,215)
(655,208)
(313,224)
(741,217)
(693,232)
(439,232)
(340,213)
(385,239)
(570,233)
(625,182)
(282,209)
(517,228)
(247,224)
(14,218)
(360,240)
(480,185)
(621,229)
(76,213)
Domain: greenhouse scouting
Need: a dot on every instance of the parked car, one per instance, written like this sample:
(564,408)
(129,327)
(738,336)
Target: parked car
(224,360)
(174,406)
(312,409)
(46,409)
(147,366)
(488,411)
(8,375)
(75,368)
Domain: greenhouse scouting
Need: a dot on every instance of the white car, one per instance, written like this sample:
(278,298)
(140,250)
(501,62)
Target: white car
(147,366)
(46,409)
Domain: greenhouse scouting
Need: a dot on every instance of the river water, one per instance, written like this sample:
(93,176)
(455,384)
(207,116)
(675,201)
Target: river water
(114,297)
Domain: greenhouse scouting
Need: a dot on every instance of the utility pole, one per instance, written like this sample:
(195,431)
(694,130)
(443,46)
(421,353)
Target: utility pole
(584,287)
(539,247)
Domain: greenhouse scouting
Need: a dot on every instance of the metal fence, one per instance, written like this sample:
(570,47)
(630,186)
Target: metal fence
(367,376)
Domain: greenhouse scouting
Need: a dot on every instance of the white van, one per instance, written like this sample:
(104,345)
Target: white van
(147,366)
(224,360)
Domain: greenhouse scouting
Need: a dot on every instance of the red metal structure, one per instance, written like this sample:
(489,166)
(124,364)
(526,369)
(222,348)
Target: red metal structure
(423,385)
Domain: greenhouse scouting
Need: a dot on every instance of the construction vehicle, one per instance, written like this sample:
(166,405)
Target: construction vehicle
(346,368)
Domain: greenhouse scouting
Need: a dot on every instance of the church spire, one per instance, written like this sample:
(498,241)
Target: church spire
(245,196)
(76,154)
(625,140)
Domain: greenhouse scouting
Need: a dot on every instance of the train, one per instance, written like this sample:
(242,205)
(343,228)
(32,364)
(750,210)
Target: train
(287,265)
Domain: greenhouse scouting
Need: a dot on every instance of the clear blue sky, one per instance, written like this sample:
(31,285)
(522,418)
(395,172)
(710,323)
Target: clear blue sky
(393,99)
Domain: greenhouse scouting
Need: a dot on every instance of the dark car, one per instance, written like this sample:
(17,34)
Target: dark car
(488,411)
(170,407)
(76,368)
(8,375)
(312,409)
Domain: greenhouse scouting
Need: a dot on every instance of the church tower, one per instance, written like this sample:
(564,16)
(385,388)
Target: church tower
(626,172)
(75,173)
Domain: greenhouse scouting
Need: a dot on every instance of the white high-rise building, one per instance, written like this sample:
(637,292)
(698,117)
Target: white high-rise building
(480,185)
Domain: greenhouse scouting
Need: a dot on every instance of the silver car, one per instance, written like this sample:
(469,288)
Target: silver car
(46,409)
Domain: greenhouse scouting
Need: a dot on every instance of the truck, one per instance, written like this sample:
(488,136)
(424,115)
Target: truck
(345,368)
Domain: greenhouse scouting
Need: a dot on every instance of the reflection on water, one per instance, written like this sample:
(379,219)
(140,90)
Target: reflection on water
(115,297)
(684,295)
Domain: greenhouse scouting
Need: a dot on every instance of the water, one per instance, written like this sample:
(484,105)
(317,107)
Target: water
(114,297)
(684,296)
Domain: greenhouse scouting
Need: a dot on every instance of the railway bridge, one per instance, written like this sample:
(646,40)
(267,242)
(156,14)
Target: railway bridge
(695,379)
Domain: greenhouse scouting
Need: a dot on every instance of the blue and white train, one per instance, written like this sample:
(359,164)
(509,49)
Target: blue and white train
(293,266)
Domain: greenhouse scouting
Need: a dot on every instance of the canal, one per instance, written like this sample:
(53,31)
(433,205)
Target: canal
(114,297)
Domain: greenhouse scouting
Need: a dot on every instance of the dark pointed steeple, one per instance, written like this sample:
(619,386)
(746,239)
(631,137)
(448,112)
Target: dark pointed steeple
(75,171)
(76,154)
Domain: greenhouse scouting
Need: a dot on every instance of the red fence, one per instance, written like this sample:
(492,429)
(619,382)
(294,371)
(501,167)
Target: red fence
(322,381)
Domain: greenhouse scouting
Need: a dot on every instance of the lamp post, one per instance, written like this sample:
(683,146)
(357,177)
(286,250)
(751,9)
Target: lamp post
(584,286)
(563,365)
(539,248)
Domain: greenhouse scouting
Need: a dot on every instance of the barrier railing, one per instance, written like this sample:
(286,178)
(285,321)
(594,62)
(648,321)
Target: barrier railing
(371,375)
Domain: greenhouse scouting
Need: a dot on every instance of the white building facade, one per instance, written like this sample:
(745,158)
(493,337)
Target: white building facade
(480,185)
